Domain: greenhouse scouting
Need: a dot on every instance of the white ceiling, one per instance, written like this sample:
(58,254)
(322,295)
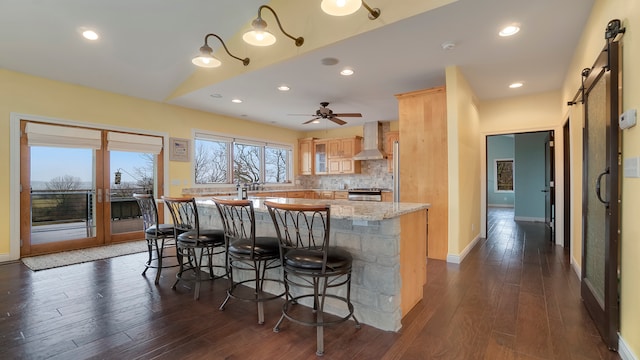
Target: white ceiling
(146,48)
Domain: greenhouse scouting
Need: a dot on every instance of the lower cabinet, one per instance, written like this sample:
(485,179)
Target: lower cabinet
(296,194)
(340,195)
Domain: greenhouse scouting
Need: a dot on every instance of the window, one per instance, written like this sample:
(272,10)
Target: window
(225,160)
(503,172)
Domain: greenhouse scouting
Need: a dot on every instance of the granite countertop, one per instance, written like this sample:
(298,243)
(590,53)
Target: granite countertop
(340,209)
(208,192)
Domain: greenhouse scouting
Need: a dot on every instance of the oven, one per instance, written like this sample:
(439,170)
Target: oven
(365,194)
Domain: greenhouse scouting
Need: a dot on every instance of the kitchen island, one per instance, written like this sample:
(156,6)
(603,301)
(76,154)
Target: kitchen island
(388,242)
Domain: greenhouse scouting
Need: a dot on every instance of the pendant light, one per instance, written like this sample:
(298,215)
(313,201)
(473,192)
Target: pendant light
(347,7)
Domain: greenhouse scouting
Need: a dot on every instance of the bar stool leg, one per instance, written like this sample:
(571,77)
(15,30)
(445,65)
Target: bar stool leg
(159,254)
(149,247)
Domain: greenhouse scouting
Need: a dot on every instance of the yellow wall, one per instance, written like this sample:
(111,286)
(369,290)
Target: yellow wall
(591,43)
(521,113)
(344,131)
(32,95)
(464,162)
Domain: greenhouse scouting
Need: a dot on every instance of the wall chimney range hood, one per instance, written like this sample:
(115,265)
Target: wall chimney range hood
(372,142)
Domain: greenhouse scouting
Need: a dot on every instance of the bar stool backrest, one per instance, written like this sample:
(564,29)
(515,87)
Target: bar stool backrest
(184,213)
(238,220)
(302,227)
(149,211)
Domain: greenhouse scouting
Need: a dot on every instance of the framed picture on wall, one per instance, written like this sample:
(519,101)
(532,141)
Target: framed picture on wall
(179,149)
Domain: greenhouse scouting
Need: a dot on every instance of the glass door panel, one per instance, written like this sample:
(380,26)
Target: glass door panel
(63,194)
(130,173)
(595,211)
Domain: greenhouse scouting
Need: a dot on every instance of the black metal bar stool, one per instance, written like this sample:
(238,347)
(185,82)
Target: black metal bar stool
(248,253)
(158,236)
(309,262)
(193,243)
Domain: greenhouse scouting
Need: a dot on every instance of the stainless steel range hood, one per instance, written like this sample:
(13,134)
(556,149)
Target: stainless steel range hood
(372,142)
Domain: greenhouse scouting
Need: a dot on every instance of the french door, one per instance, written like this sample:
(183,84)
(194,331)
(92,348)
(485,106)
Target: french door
(601,194)
(76,185)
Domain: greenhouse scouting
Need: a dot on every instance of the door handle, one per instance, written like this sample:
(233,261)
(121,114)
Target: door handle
(598,181)
(544,190)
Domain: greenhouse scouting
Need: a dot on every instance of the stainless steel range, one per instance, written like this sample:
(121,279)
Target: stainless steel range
(365,194)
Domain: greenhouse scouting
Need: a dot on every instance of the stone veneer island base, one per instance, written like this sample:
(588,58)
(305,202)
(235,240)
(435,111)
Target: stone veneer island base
(388,242)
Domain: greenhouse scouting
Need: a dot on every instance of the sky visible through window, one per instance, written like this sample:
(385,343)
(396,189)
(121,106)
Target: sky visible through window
(51,162)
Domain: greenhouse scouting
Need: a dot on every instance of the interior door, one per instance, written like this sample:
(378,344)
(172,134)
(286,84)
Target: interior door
(549,184)
(601,193)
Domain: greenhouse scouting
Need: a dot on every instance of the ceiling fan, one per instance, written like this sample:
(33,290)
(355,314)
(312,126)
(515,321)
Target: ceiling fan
(325,113)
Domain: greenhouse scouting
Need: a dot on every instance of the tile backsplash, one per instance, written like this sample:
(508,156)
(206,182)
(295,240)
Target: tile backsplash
(374,174)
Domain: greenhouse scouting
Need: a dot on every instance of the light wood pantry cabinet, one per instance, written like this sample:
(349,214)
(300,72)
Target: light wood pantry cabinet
(305,156)
(423,130)
(390,138)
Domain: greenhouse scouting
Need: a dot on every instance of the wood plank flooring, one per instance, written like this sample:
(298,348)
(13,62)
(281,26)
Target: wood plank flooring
(514,297)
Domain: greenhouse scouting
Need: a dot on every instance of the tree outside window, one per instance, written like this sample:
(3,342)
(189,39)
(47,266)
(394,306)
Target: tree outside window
(221,160)
(504,174)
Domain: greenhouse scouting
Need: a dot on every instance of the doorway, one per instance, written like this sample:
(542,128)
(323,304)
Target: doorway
(77,185)
(527,183)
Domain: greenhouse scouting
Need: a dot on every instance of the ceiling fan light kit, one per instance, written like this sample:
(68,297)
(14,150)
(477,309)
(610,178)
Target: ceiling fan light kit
(259,36)
(206,58)
(325,113)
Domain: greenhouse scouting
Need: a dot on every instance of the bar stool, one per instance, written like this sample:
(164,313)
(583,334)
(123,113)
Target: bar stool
(194,243)
(247,253)
(154,232)
(309,262)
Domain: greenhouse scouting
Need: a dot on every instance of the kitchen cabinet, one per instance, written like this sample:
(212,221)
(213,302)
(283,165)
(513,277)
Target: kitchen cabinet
(340,195)
(305,156)
(309,194)
(296,194)
(345,147)
(423,130)
(390,138)
(324,195)
(387,196)
(340,155)
(320,157)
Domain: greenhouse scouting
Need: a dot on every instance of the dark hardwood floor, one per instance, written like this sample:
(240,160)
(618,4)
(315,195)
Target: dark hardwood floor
(514,297)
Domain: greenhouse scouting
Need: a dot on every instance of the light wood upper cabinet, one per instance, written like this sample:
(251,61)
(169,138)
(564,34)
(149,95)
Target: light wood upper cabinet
(390,137)
(340,157)
(320,157)
(305,154)
(345,147)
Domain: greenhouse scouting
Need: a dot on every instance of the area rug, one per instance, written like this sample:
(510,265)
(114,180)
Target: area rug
(65,258)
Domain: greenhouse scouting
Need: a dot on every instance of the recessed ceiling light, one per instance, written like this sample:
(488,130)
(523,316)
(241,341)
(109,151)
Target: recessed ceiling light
(346,72)
(284,88)
(237,101)
(516,85)
(509,30)
(90,35)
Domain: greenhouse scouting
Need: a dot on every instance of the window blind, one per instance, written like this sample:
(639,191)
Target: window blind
(62,136)
(132,142)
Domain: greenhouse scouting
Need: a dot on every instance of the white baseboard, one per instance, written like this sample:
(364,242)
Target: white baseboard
(501,205)
(457,259)
(5,258)
(576,268)
(528,218)
(624,351)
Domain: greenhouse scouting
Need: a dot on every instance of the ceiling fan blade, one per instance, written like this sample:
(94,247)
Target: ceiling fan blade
(310,121)
(337,121)
(349,115)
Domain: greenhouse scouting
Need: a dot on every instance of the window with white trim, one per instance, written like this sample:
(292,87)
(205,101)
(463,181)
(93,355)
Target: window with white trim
(219,159)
